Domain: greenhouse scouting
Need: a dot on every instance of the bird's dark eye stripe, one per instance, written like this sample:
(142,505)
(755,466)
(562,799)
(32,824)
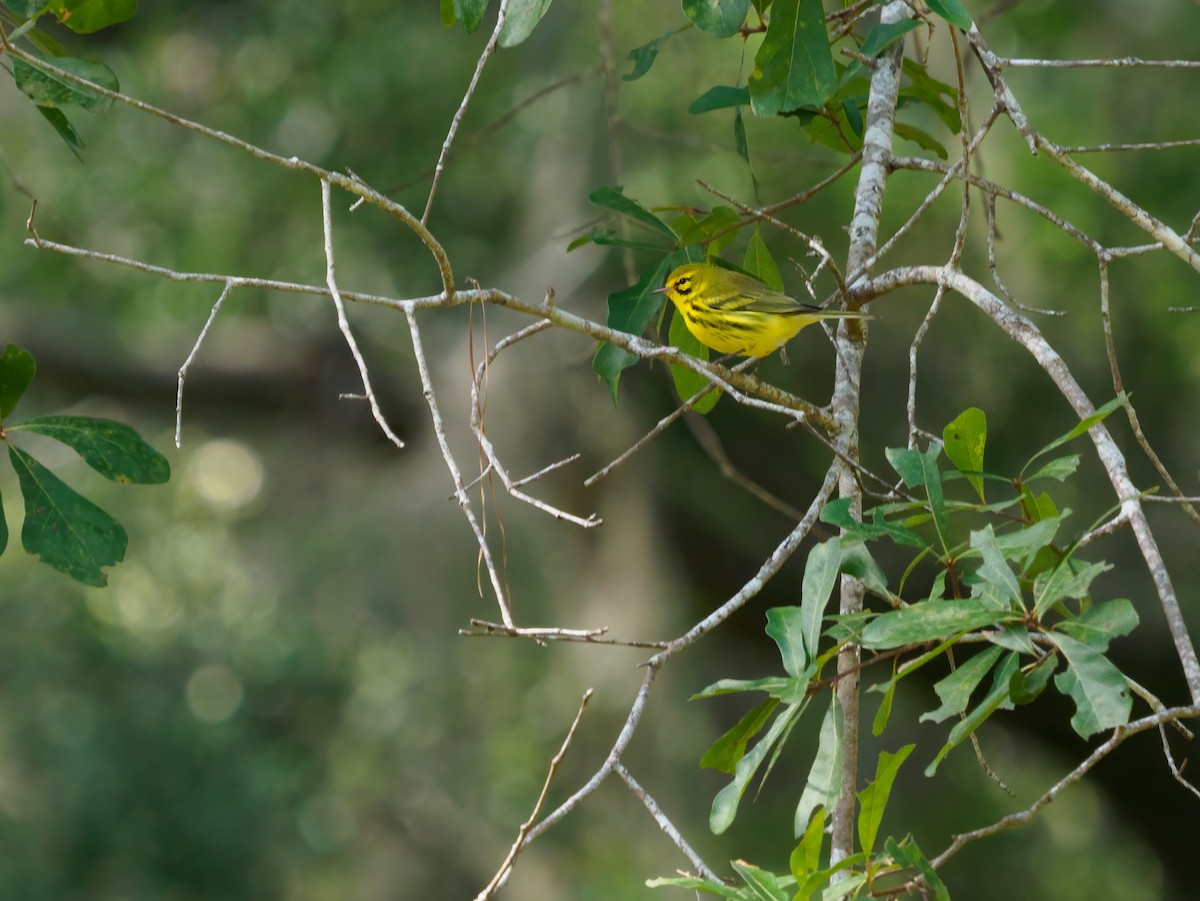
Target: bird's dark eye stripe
(684,285)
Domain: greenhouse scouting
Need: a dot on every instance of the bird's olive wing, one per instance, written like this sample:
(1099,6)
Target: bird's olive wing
(773,302)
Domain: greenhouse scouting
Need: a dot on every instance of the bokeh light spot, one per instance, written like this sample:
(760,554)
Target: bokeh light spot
(214,693)
(225,475)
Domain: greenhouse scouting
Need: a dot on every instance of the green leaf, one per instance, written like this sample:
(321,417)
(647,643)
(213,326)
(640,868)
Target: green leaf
(1100,692)
(740,144)
(953,12)
(605,236)
(964,440)
(884,35)
(909,855)
(937,95)
(470,13)
(1059,469)
(955,690)
(848,627)
(520,20)
(720,18)
(820,575)
(3,528)
(846,887)
(1025,687)
(920,469)
(790,629)
(25,9)
(1022,544)
(853,116)
(794,65)
(1014,638)
(719,219)
(838,134)
(111,448)
(879,723)
(61,124)
(1039,506)
(688,382)
(1079,429)
(630,310)
(873,799)
(449,17)
(17,368)
(825,776)
(643,57)
(994,700)
(720,889)
(921,138)
(763,884)
(805,858)
(727,750)
(837,513)
(66,531)
(777,686)
(722,96)
(858,562)
(48,89)
(88,16)
(995,570)
(1070,579)
(1101,623)
(759,262)
(931,621)
(614,199)
(725,804)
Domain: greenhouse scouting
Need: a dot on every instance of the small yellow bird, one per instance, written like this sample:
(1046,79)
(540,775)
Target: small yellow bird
(735,314)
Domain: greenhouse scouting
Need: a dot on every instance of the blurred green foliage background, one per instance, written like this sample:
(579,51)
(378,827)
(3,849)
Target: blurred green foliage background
(271,701)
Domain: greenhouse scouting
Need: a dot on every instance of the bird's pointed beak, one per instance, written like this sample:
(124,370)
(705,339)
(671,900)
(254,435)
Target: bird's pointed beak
(662,290)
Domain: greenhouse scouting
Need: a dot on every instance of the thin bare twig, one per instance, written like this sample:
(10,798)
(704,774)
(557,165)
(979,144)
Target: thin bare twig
(1020,818)
(1110,347)
(485,629)
(488,50)
(660,427)
(710,442)
(460,491)
(187,364)
(494,465)
(770,567)
(505,868)
(745,389)
(1117,63)
(1119,148)
(346,182)
(343,322)
(464,144)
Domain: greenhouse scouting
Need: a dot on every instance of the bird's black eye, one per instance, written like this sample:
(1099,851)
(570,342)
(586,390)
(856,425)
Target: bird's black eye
(682,283)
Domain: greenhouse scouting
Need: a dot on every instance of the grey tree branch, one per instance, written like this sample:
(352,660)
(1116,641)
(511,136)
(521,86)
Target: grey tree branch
(488,50)
(1027,334)
(1022,817)
(846,403)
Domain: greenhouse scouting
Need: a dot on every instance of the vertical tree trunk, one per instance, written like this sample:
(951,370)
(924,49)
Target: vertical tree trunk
(851,348)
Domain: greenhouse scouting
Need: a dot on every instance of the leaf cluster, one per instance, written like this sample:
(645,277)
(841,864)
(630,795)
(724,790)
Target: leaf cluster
(1011,605)
(49,91)
(63,528)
